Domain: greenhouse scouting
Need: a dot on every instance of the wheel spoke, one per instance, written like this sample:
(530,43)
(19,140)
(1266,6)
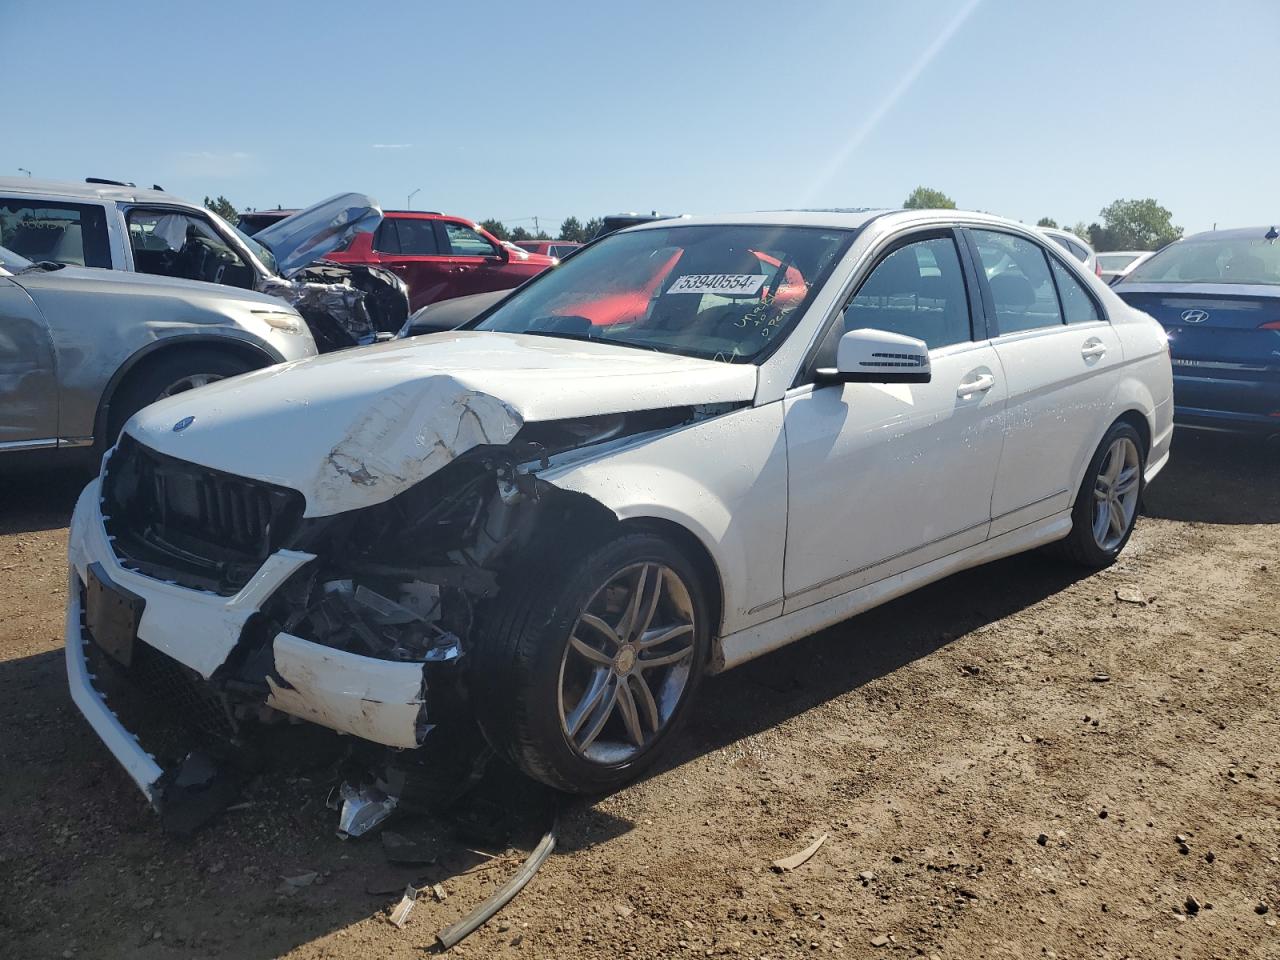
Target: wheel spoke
(595,623)
(630,717)
(648,608)
(629,616)
(645,663)
(1101,520)
(645,643)
(591,653)
(1118,522)
(1127,483)
(589,700)
(647,705)
(601,715)
(1115,461)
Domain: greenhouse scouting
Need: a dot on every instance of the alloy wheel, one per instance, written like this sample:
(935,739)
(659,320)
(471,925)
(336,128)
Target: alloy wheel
(627,663)
(184,384)
(1115,493)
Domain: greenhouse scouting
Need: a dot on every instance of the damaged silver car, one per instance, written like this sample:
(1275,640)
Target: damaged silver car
(115,225)
(693,442)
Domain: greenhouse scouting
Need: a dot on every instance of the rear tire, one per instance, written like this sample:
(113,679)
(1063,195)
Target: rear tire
(175,371)
(1106,506)
(588,667)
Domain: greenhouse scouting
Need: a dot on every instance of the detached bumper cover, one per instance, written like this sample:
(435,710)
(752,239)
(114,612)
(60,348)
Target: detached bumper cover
(376,700)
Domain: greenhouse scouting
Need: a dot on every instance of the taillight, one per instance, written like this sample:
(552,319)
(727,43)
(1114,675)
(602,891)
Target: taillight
(1270,325)
(1097,267)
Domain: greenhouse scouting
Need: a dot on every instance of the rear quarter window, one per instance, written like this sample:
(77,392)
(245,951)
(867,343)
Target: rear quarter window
(72,233)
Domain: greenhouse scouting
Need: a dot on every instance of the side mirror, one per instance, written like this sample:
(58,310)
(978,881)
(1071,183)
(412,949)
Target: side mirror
(878,356)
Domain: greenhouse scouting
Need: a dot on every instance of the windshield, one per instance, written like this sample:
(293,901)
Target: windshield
(259,250)
(718,292)
(1210,259)
(12,262)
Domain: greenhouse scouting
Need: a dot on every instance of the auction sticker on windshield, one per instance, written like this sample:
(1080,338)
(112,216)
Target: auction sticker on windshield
(725,284)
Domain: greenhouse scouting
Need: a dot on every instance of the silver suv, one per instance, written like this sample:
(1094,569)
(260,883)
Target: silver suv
(82,349)
(118,226)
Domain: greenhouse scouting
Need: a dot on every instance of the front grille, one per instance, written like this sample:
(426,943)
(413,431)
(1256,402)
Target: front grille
(198,527)
(164,703)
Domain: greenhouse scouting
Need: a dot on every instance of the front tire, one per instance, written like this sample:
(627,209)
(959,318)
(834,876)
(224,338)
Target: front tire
(1106,507)
(175,371)
(589,670)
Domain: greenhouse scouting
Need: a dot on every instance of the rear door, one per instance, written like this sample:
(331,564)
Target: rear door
(1060,359)
(28,372)
(410,247)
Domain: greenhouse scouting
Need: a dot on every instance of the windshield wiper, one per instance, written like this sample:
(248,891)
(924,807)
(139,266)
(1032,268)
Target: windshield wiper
(45,265)
(587,338)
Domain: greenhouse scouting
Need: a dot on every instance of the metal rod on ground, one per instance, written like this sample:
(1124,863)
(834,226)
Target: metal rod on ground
(455,933)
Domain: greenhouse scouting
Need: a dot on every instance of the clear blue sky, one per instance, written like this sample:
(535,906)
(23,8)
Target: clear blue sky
(511,109)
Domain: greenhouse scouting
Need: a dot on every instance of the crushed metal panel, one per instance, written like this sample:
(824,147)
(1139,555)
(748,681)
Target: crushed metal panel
(414,430)
(376,700)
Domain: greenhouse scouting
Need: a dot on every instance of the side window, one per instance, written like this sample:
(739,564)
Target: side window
(1021,285)
(465,242)
(387,239)
(74,233)
(918,290)
(1076,303)
(417,237)
(174,244)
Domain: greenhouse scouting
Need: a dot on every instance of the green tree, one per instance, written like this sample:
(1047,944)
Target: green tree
(223,208)
(591,228)
(1049,222)
(1135,225)
(571,229)
(520,233)
(926,198)
(541,235)
(497,228)
(1083,230)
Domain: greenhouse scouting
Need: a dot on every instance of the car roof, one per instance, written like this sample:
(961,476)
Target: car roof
(1235,233)
(843,219)
(74,190)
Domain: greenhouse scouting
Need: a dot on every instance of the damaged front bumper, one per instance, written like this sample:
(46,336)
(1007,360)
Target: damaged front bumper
(377,700)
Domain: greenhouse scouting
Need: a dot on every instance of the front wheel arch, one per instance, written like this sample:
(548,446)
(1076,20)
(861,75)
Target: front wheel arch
(141,361)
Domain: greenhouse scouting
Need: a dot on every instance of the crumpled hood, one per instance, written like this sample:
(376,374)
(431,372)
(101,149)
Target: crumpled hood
(352,429)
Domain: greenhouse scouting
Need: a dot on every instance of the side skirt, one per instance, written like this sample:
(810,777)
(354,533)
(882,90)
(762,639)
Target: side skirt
(750,643)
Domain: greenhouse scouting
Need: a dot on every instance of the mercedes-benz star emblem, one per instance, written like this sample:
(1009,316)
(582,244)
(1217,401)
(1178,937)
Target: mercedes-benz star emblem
(183,424)
(1194,316)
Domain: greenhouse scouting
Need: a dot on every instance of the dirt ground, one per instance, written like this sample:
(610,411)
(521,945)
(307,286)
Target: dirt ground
(1003,764)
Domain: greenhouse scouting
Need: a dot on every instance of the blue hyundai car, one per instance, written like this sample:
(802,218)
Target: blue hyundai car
(1218,296)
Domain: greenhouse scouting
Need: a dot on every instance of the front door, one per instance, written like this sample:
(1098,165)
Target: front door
(885,477)
(1061,360)
(28,372)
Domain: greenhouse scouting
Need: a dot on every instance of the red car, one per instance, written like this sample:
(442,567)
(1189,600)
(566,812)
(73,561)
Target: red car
(549,248)
(440,257)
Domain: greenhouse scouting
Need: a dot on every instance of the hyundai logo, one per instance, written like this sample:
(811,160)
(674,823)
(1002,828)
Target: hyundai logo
(1194,316)
(183,424)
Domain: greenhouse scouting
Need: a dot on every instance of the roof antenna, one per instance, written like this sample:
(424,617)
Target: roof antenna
(1272,235)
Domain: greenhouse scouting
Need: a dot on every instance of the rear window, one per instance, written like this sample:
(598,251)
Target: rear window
(74,233)
(1115,261)
(1233,259)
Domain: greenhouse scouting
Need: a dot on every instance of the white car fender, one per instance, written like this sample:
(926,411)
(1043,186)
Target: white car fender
(724,480)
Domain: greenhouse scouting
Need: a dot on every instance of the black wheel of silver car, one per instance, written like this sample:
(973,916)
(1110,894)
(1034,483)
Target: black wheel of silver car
(167,374)
(1106,506)
(596,665)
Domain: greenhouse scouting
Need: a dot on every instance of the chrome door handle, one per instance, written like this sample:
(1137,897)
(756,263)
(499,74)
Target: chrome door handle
(1093,348)
(980,384)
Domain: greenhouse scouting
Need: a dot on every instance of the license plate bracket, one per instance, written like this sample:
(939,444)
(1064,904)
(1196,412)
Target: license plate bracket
(111,614)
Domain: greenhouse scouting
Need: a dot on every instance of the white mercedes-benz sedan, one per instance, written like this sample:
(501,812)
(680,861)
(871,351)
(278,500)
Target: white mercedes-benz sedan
(691,443)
